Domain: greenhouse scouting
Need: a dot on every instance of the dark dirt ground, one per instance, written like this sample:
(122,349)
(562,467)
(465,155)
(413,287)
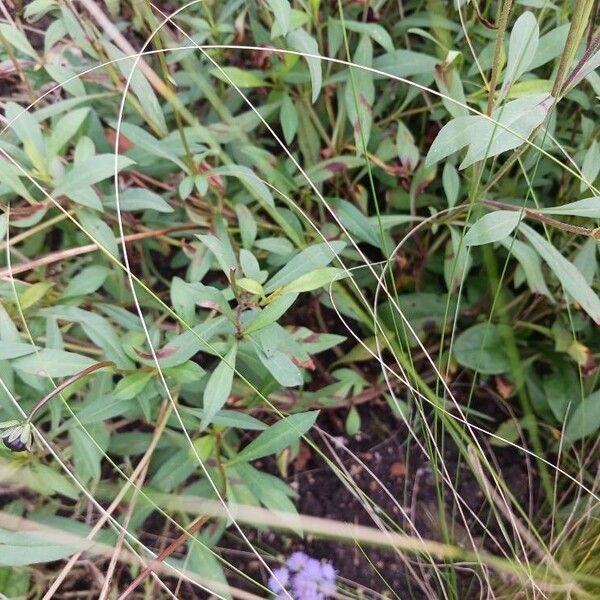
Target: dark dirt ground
(382,447)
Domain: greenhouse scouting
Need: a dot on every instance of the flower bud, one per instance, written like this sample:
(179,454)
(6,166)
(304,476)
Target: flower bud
(16,435)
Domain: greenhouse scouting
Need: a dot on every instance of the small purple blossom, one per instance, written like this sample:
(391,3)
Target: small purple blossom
(328,571)
(297,561)
(279,580)
(303,578)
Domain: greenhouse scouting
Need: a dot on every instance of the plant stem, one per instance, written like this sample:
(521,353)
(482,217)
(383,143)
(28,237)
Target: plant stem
(193,528)
(502,24)
(66,383)
(579,23)
(538,216)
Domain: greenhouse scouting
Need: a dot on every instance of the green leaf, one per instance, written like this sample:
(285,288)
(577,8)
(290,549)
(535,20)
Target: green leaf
(149,144)
(242,78)
(229,418)
(567,273)
(376,32)
(188,372)
(131,385)
(202,561)
(53,363)
(530,262)
(408,153)
(86,282)
(352,421)
(314,280)
(301,41)
(359,96)
(34,293)
(250,285)
(328,168)
(288,117)
(585,259)
(588,207)
(250,178)
(96,328)
(174,470)
(55,480)
(457,261)
(21,548)
(28,130)
(309,259)
(10,350)
(15,37)
(183,346)
(222,252)
(283,14)
(105,407)
(90,171)
(66,127)
(277,437)
(99,231)
(270,493)
(482,348)
(561,388)
(591,165)
(218,387)
(357,224)
(134,199)
(484,137)
(11,177)
(248,226)
(522,47)
(138,84)
(87,456)
(451,184)
(406,63)
(36,9)
(550,46)
(584,420)
(493,227)
(67,78)
(281,366)
(271,313)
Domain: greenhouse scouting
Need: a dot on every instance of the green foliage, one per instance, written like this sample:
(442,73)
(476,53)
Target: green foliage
(452,227)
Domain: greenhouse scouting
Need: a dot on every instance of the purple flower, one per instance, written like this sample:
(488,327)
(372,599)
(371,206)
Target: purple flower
(304,578)
(304,584)
(279,581)
(312,569)
(327,588)
(297,561)
(328,572)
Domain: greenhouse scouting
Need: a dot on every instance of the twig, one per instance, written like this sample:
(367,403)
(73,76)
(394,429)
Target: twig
(538,216)
(71,252)
(194,527)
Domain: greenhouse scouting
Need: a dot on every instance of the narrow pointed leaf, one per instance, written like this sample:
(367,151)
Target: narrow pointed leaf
(493,227)
(277,437)
(567,273)
(218,387)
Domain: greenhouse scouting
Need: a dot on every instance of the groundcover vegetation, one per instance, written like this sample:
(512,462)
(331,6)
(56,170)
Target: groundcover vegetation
(299,299)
